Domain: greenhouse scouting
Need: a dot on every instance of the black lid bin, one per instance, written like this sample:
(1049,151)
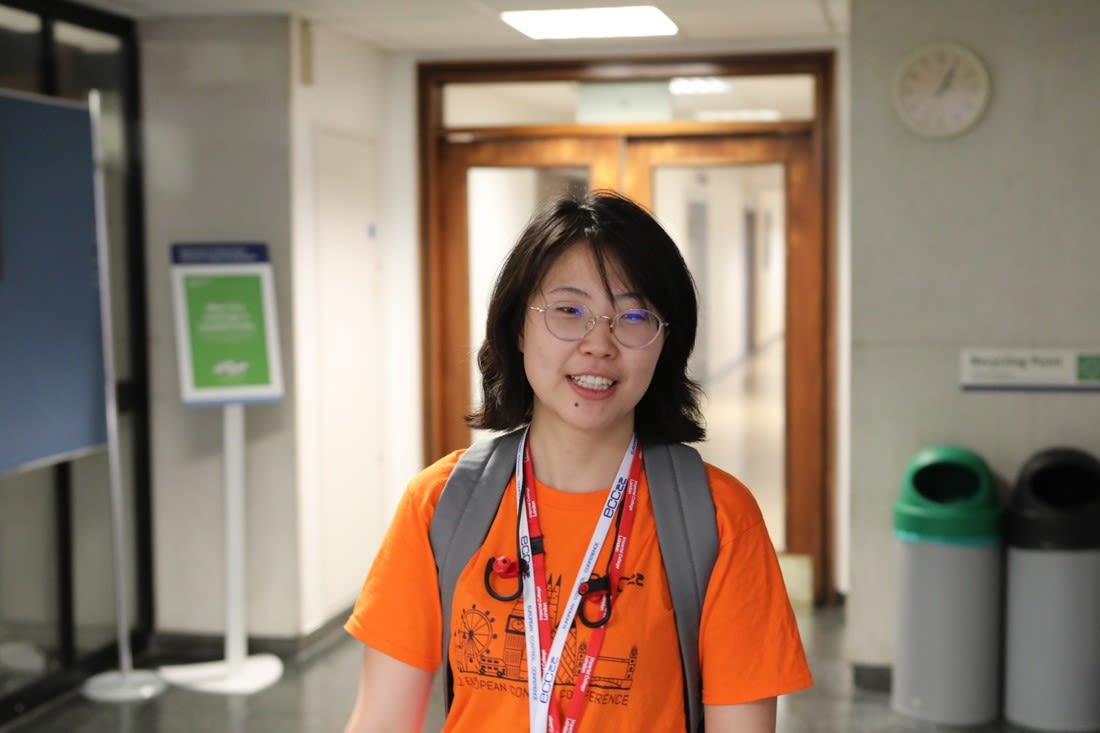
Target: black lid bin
(1052,614)
(1056,502)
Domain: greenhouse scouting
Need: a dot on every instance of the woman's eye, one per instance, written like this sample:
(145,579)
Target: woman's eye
(634,317)
(572,311)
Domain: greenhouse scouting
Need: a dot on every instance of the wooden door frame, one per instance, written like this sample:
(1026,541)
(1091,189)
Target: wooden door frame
(813,532)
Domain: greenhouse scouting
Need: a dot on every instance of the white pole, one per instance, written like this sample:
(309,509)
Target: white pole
(125,659)
(236,639)
(125,684)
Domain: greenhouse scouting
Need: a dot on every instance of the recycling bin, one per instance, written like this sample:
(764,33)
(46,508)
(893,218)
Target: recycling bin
(1052,606)
(950,589)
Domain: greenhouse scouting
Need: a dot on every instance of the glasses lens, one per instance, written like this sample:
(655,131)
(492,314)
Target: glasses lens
(636,328)
(567,321)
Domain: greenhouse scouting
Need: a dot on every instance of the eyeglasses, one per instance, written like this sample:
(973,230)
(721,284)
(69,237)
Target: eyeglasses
(635,328)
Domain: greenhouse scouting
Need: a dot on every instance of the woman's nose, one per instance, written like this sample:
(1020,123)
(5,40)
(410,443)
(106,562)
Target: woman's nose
(599,341)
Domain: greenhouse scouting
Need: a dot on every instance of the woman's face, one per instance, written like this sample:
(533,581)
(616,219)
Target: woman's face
(591,385)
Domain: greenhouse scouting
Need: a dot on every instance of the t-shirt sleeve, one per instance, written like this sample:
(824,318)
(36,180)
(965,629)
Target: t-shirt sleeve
(397,611)
(749,643)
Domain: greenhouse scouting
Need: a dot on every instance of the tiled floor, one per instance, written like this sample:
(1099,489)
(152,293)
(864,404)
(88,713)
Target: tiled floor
(744,409)
(315,695)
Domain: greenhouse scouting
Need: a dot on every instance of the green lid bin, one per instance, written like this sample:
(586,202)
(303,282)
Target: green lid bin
(948,495)
(949,569)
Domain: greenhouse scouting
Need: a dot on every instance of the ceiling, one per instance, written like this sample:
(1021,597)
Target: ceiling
(443,29)
(435,27)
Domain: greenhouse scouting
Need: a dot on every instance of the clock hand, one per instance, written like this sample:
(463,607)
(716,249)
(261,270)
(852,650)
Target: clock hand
(945,83)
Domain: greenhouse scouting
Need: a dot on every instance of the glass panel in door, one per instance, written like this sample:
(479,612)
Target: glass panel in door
(730,223)
(499,203)
(20,50)
(488,191)
(30,639)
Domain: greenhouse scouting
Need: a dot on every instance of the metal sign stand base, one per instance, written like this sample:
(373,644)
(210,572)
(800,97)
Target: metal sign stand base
(123,686)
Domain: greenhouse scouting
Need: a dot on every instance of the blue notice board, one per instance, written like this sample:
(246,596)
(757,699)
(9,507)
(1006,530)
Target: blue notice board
(52,402)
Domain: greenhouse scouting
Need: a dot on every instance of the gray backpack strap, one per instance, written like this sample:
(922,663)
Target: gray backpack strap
(463,515)
(687,532)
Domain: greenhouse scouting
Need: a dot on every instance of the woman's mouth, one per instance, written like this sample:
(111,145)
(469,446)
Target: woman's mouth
(590,381)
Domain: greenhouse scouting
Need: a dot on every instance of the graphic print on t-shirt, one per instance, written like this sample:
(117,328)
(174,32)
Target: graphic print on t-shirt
(491,653)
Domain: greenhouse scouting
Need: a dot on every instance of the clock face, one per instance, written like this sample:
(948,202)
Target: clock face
(941,90)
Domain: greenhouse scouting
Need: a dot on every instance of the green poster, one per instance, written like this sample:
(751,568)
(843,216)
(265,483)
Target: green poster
(225,319)
(227,332)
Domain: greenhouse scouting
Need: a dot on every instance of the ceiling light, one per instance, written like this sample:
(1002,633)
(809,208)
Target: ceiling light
(634,21)
(739,115)
(698,85)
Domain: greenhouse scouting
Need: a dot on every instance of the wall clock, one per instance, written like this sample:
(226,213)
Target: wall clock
(941,90)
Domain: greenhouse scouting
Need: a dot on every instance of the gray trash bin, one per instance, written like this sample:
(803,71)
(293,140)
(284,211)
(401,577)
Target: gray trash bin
(950,566)
(1052,611)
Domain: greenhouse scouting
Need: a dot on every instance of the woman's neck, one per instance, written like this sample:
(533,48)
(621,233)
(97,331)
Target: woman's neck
(576,462)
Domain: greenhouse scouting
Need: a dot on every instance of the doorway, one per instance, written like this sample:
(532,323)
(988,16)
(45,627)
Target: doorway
(748,205)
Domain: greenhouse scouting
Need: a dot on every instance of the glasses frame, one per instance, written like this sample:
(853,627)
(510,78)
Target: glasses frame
(662,325)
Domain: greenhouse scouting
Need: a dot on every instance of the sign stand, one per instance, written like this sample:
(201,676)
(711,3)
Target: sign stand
(126,684)
(238,673)
(229,355)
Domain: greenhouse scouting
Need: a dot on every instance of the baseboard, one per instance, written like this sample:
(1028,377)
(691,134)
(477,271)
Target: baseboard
(185,648)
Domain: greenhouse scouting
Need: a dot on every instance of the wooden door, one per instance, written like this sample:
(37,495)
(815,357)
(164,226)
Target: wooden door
(795,465)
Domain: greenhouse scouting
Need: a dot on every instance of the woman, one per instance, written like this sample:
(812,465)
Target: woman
(589,330)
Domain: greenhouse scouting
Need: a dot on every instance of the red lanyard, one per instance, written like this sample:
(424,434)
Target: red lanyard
(621,500)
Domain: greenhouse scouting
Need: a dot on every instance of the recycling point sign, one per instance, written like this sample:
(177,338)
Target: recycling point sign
(227,335)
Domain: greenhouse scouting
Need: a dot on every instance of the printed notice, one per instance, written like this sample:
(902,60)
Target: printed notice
(1030,369)
(225,324)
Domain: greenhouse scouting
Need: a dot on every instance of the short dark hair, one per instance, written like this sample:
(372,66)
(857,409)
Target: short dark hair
(625,236)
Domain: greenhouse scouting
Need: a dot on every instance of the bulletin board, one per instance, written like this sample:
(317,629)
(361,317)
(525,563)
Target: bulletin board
(52,375)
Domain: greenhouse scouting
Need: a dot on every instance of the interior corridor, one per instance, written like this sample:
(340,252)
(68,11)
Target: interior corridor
(316,692)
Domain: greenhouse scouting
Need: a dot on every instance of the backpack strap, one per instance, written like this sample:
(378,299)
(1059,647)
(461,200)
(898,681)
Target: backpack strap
(462,518)
(687,532)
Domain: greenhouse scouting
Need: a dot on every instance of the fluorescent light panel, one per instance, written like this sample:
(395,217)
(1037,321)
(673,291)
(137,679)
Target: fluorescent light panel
(634,21)
(698,85)
(739,115)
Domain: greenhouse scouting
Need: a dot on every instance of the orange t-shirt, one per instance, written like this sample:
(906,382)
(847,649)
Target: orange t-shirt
(749,644)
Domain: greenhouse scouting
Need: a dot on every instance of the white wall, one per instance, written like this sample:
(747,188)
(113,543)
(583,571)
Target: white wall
(217,168)
(988,239)
(402,398)
(268,129)
(339,315)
